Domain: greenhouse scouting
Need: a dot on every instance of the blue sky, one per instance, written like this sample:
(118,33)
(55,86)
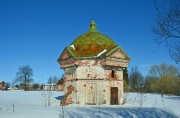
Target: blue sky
(35,32)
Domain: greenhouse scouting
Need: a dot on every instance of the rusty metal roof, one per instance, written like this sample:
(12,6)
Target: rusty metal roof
(91,43)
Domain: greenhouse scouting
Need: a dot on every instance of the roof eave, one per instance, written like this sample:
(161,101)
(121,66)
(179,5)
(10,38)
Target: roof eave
(114,49)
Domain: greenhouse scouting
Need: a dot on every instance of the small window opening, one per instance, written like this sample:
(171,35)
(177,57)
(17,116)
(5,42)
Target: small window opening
(113,74)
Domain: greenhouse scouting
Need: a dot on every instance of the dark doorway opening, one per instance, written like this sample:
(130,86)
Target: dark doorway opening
(113,74)
(114,95)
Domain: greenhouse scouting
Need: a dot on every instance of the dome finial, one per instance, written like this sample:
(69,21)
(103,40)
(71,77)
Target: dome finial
(93,26)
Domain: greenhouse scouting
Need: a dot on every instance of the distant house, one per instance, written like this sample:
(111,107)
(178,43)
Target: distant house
(2,85)
(50,87)
(29,87)
(60,85)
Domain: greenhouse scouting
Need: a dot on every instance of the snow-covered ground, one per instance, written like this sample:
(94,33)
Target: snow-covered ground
(21,104)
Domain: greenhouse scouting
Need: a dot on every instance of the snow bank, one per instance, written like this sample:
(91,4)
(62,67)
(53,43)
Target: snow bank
(36,105)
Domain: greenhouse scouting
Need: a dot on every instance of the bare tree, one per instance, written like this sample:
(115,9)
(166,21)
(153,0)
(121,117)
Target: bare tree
(24,76)
(163,78)
(125,79)
(55,79)
(36,86)
(162,70)
(50,80)
(141,99)
(166,27)
(8,85)
(135,78)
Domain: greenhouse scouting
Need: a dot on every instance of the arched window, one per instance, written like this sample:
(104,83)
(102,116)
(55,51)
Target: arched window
(113,74)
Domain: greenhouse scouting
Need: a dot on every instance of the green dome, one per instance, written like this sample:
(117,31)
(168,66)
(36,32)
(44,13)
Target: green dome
(91,43)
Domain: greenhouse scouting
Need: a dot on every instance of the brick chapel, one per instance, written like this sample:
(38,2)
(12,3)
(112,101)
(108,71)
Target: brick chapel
(93,69)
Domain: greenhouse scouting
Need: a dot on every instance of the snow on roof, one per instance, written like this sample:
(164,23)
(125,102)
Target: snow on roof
(102,52)
(72,46)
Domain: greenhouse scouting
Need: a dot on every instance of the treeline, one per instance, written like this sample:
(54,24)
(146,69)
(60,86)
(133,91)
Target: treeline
(161,78)
(24,80)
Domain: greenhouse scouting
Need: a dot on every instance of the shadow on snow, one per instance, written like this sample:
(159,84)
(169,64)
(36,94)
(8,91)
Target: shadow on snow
(110,112)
